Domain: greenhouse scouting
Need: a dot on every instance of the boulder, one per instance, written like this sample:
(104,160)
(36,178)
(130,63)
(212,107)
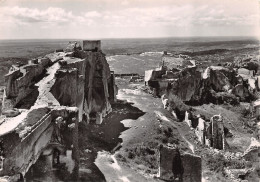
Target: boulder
(220,78)
(187,86)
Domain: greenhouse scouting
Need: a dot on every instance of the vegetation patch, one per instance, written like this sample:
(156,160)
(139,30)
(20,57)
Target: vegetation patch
(142,157)
(218,163)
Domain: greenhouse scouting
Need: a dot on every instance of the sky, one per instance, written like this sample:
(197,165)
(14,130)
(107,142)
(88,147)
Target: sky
(92,19)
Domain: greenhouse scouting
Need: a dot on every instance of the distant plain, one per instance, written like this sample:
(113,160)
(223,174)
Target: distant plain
(134,55)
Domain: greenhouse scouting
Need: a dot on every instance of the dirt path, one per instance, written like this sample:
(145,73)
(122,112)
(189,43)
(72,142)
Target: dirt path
(114,172)
(138,131)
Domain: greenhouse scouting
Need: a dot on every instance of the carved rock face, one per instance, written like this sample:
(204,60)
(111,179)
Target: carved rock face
(85,82)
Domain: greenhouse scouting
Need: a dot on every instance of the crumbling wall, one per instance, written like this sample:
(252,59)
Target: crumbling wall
(184,166)
(210,133)
(218,136)
(20,82)
(91,45)
(196,86)
(192,167)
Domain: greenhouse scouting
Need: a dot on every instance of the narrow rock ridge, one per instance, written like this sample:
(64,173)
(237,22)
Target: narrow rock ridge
(72,85)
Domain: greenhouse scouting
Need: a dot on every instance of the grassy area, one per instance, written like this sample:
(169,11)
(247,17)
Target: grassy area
(143,156)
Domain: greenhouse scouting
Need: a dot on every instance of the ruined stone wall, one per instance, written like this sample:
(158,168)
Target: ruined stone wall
(210,133)
(184,166)
(91,45)
(192,168)
(20,82)
(83,81)
(217,132)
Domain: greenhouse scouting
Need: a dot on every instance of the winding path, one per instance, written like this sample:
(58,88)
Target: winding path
(153,108)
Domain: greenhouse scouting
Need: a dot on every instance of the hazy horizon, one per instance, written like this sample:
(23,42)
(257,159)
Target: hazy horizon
(170,37)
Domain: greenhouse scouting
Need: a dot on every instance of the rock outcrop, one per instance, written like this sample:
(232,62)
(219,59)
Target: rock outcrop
(22,145)
(67,87)
(20,80)
(195,86)
(84,81)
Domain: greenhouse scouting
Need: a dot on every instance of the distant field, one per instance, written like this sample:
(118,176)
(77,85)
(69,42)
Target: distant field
(33,48)
(124,54)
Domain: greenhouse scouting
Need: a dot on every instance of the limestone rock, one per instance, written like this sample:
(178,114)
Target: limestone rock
(79,87)
(221,79)
(85,82)
(72,47)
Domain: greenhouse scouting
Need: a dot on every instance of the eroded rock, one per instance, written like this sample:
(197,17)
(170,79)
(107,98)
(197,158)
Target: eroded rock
(81,86)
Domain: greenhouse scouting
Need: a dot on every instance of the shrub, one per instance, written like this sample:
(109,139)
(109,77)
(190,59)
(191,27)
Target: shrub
(236,164)
(143,156)
(218,162)
(131,155)
(245,112)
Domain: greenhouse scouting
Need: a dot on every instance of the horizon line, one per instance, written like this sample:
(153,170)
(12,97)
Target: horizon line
(237,36)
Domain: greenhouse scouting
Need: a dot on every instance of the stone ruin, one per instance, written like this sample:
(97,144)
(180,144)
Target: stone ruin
(179,166)
(46,98)
(252,156)
(209,133)
(196,85)
(81,78)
